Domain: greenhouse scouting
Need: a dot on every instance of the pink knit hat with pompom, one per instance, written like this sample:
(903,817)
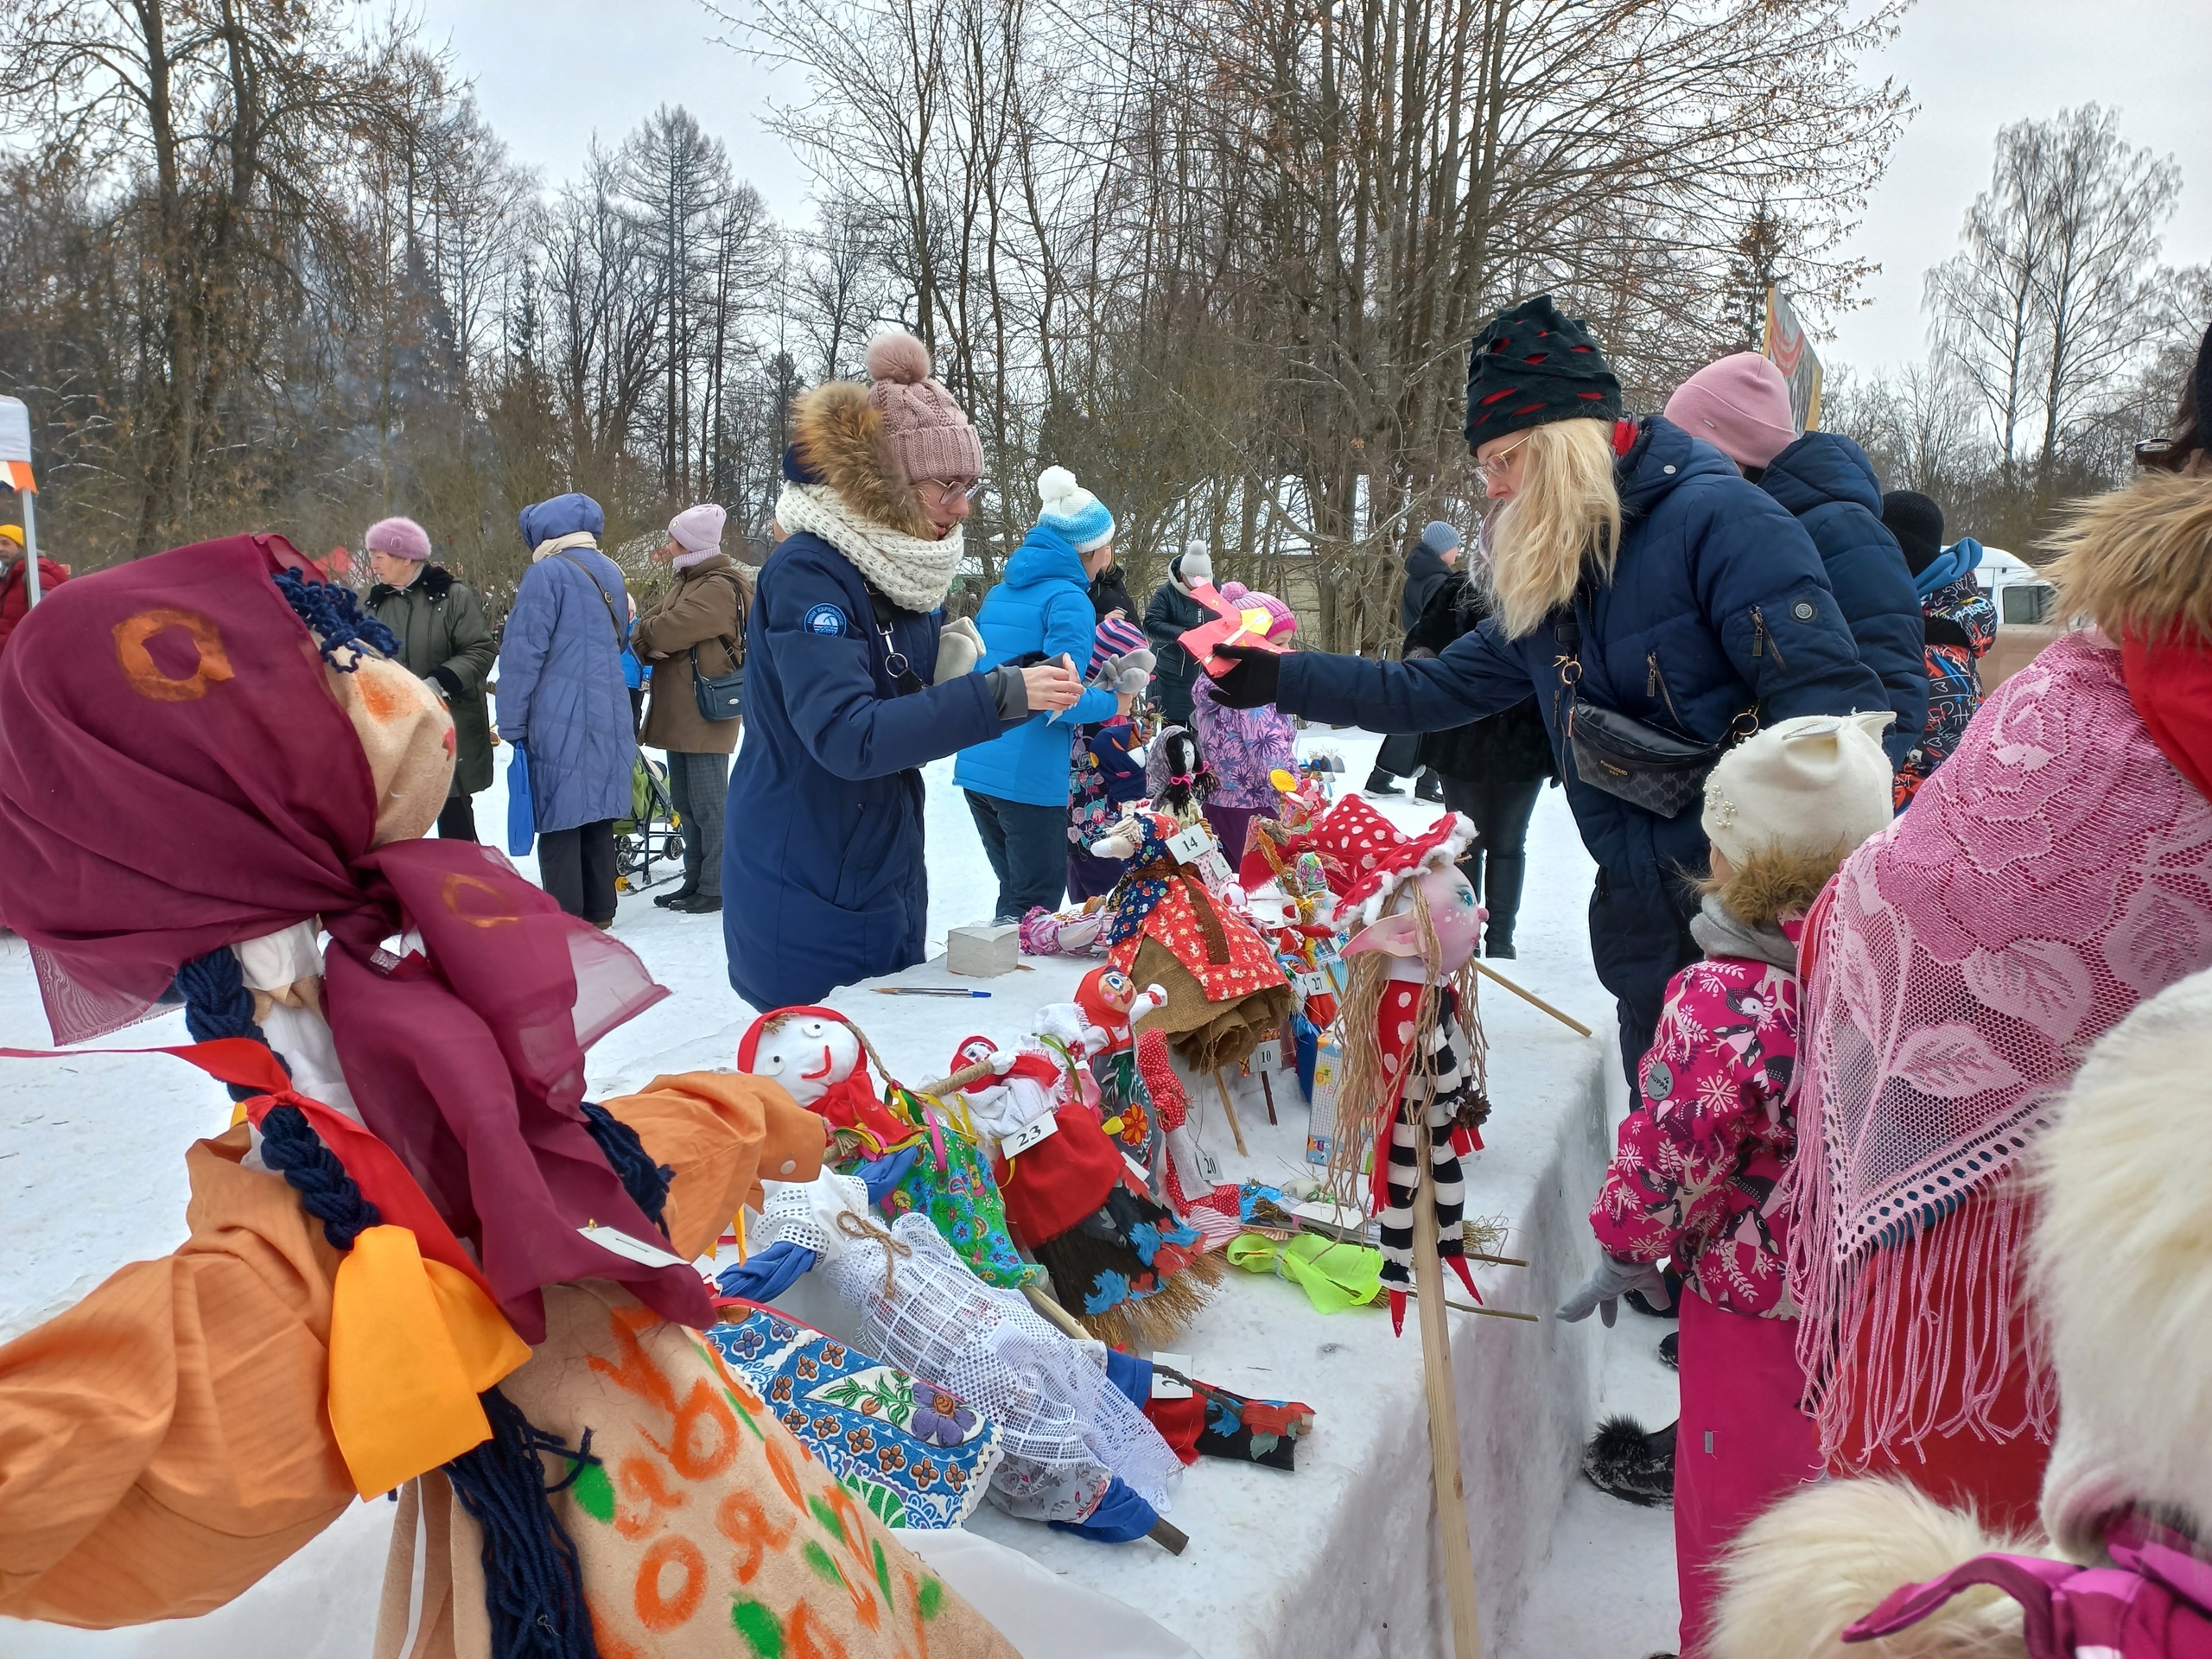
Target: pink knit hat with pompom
(1282,624)
(401,538)
(928,433)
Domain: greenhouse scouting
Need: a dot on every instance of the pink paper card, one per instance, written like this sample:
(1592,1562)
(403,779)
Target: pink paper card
(1230,626)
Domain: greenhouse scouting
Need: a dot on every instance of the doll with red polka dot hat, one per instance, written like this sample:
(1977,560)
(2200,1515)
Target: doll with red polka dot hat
(1412,1044)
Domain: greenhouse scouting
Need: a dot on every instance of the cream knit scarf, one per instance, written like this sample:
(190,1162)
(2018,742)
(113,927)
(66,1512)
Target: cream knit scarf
(552,545)
(913,574)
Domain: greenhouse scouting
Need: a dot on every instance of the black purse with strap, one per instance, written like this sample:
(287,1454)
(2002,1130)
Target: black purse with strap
(721,697)
(1638,762)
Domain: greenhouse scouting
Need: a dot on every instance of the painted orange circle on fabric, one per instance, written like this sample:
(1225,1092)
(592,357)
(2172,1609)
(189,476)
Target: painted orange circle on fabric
(134,653)
(450,891)
(659,1612)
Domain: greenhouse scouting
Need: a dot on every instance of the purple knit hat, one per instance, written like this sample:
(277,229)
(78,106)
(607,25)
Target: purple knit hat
(403,538)
(1740,405)
(928,433)
(1114,637)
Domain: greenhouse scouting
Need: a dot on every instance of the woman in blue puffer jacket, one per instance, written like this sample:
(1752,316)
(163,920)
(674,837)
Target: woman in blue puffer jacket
(1740,405)
(1017,784)
(563,703)
(1693,602)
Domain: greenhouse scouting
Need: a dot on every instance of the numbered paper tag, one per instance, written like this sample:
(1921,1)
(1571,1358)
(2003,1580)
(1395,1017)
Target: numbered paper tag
(1213,869)
(1268,1056)
(635,1249)
(1209,1167)
(1165,1386)
(1312,984)
(1038,1128)
(1191,844)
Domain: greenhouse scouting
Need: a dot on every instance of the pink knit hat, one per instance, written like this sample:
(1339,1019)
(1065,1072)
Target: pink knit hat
(1282,623)
(1740,405)
(698,530)
(928,433)
(403,538)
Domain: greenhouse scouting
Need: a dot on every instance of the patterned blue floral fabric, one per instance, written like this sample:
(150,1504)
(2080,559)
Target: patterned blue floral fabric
(915,1454)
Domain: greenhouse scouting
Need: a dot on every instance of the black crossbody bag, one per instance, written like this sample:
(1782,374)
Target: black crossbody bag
(721,697)
(1625,757)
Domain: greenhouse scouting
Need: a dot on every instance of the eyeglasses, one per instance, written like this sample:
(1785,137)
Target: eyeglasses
(2164,454)
(1497,467)
(944,492)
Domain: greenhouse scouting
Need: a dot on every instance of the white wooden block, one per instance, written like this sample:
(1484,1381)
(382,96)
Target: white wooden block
(983,951)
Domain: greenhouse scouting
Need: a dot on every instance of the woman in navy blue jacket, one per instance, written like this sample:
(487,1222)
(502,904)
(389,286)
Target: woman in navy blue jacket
(853,681)
(1693,601)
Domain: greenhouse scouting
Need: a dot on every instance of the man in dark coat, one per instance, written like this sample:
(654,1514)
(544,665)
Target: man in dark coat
(1428,566)
(1740,405)
(1716,609)
(443,637)
(1172,614)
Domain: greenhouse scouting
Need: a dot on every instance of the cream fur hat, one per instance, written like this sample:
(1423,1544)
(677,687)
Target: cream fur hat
(1801,787)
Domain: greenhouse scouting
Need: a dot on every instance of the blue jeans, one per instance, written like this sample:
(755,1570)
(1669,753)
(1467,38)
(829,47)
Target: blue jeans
(1029,849)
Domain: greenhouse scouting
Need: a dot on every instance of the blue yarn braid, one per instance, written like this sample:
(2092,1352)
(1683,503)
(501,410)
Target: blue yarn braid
(335,613)
(533,1584)
(646,1182)
(218,1004)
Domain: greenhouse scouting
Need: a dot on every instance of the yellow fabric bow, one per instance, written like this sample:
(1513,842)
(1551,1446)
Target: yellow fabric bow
(412,1344)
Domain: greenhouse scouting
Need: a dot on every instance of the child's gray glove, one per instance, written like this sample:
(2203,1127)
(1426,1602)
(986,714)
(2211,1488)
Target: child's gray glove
(1603,1290)
(959,648)
(1128,675)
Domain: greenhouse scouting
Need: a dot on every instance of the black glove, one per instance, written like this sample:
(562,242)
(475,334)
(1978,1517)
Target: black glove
(1251,683)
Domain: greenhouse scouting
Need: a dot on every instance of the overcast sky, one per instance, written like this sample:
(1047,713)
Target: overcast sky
(549,73)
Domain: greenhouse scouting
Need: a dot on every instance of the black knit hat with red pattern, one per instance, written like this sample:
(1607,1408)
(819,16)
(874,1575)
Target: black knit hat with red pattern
(1532,365)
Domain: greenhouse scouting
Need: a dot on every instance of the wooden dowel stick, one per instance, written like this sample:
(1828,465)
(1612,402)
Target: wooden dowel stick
(1235,1127)
(1567,1020)
(1443,1419)
(1268,1088)
(1470,1307)
(1502,1260)
(1053,1314)
(1169,1536)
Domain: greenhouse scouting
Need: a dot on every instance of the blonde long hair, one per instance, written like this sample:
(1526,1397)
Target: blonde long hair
(1566,516)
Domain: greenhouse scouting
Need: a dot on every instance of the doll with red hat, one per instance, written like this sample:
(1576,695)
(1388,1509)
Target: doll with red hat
(1225,992)
(1413,1046)
(1111,1002)
(1120,1262)
(917,1158)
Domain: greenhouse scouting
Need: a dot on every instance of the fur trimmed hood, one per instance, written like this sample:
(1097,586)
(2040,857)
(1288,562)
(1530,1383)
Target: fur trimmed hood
(841,442)
(2138,561)
(2123,1267)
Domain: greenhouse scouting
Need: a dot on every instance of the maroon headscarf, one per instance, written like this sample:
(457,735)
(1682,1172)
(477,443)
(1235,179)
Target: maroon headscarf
(176,775)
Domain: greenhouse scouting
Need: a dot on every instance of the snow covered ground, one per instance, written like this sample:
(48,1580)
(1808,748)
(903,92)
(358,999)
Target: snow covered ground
(92,1176)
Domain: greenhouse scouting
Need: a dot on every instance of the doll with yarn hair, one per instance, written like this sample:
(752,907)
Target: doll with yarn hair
(914,1154)
(418,1262)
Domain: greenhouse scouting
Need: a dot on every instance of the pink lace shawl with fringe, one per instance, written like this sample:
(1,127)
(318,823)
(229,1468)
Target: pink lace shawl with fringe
(2056,871)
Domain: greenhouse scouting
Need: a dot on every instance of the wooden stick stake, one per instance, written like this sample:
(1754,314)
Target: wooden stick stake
(1235,1127)
(1268,1088)
(1443,1416)
(1567,1020)
(1053,1314)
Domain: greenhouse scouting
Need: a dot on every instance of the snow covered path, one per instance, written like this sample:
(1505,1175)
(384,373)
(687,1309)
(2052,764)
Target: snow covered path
(92,1176)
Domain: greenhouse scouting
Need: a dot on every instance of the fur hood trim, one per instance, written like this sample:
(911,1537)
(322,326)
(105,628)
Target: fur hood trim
(842,442)
(1773,884)
(1818,1561)
(2123,1263)
(2138,561)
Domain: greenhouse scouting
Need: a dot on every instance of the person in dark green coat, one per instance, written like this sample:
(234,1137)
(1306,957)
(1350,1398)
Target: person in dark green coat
(444,638)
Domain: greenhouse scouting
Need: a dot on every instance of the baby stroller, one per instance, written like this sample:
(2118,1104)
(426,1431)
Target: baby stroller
(651,833)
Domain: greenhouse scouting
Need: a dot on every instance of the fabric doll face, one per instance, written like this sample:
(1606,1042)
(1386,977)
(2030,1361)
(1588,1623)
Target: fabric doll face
(1452,912)
(808,1055)
(408,737)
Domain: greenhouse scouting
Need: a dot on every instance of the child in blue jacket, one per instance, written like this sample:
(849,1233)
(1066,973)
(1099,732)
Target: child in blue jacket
(1018,784)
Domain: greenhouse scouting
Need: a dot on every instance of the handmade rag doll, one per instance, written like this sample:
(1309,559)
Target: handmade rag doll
(1120,1262)
(1077,1451)
(460,1281)
(922,1157)
(1225,991)
(1413,1046)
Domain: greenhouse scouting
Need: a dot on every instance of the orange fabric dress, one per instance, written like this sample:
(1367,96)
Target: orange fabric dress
(164,1443)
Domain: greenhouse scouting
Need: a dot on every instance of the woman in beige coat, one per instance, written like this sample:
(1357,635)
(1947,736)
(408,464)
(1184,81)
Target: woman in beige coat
(699,620)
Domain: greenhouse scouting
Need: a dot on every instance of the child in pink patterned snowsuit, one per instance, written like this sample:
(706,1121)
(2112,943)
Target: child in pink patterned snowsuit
(1242,747)
(1698,1172)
